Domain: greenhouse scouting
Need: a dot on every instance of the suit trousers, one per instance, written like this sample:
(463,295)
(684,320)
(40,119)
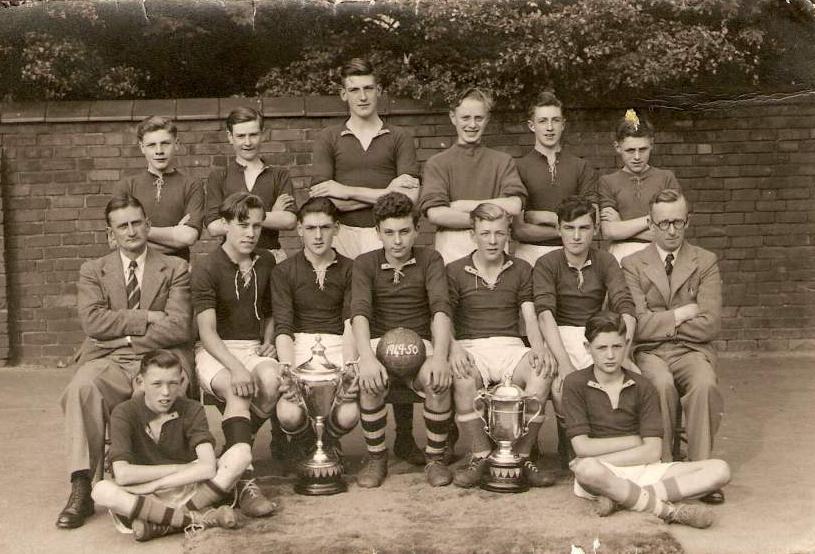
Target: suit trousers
(681,373)
(95,389)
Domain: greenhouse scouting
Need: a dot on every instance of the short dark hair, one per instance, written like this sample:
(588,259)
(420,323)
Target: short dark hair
(486,211)
(155,123)
(545,98)
(236,206)
(357,67)
(243,114)
(604,322)
(634,126)
(474,93)
(161,358)
(121,201)
(394,204)
(318,205)
(573,207)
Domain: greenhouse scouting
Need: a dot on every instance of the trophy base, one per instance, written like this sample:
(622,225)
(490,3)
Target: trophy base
(320,479)
(505,477)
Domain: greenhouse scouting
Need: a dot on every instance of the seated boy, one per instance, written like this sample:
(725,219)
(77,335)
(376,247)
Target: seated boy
(487,290)
(401,286)
(614,423)
(311,299)
(165,474)
(233,306)
(571,285)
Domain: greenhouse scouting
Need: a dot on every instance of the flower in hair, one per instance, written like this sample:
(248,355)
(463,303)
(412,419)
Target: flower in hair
(632,119)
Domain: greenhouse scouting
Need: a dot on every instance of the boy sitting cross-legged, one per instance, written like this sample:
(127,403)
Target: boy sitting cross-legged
(165,475)
(614,422)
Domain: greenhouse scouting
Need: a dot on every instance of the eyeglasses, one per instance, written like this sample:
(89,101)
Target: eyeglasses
(665,224)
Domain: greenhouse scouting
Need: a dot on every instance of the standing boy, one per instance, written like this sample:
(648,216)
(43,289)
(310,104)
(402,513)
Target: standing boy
(235,360)
(465,175)
(172,200)
(550,175)
(356,163)
(401,286)
(248,172)
(613,420)
(487,289)
(165,475)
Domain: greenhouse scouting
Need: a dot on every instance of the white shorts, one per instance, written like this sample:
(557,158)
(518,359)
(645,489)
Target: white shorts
(353,241)
(207,367)
(412,385)
(304,341)
(456,244)
(495,357)
(622,249)
(641,475)
(531,252)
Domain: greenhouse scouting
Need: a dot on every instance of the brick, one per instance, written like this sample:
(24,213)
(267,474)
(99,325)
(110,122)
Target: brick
(283,106)
(103,175)
(103,151)
(60,112)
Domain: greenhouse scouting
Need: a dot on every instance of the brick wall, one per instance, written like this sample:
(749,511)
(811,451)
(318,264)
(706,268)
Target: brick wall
(749,172)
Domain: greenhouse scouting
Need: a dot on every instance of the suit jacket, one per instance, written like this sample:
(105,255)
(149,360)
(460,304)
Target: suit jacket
(695,278)
(103,312)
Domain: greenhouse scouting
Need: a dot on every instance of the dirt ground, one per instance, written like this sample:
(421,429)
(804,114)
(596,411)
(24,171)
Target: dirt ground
(766,437)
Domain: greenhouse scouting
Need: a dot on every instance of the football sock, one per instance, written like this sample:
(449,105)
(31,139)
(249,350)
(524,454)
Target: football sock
(640,500)
(667,489)
(236,429)
(150,509)
(437,426)
(207,494)
(374,422)
(473,428)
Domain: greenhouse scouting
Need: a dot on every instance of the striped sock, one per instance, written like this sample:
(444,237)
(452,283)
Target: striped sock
(667,489)
(150,509)
(207,494)
(639,499)
(374,422)
(437,425)
(473,428)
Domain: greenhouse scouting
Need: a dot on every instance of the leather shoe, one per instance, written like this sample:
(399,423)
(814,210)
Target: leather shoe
(79,506)
(715,497)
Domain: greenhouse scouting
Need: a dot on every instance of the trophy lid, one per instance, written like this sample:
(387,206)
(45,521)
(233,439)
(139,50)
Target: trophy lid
(506,390)
(318,364)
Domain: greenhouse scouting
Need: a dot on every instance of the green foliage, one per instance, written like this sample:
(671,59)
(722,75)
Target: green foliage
(589,51)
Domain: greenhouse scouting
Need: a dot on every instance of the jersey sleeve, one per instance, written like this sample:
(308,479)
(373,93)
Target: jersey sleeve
(197,428)
(322,165)
(204,288)
(574,407)
(511,184)
(362,284)
(194,204)
(436,283)
(406,155)
(214,195)
(544,286)
(605,193)
(435,188)
(121,439)
(282,301)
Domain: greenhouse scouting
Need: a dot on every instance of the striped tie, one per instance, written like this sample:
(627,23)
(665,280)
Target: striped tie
(669,264)
(133,291)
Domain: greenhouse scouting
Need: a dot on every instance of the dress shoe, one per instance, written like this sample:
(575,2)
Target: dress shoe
(715,497)
(79,506)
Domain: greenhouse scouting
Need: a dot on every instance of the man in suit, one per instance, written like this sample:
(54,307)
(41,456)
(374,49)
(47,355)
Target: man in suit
(130,302)
(677,294)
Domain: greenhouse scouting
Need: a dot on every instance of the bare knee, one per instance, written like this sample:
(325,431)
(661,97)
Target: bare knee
(291,416)
(104,493)
(346,415)
(591,473)
(720,471)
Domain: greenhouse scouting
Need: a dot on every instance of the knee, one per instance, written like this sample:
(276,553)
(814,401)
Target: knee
(291,416)
(721,472)
(240,455)
(590,472)
(103,492)
(703,382)
(267,378)
(346,415)
(663,381)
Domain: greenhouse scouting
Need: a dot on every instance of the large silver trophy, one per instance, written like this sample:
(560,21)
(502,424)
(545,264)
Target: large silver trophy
(503,410)
(319,383)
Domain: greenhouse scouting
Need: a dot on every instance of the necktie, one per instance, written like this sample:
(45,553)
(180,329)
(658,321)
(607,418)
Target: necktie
(669,265)
(132,288)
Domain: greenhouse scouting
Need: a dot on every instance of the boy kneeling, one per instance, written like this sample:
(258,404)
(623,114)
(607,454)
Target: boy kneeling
(613,420)
(165,475)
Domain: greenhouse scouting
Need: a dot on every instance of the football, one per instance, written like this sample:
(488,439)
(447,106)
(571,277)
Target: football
(402,352)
